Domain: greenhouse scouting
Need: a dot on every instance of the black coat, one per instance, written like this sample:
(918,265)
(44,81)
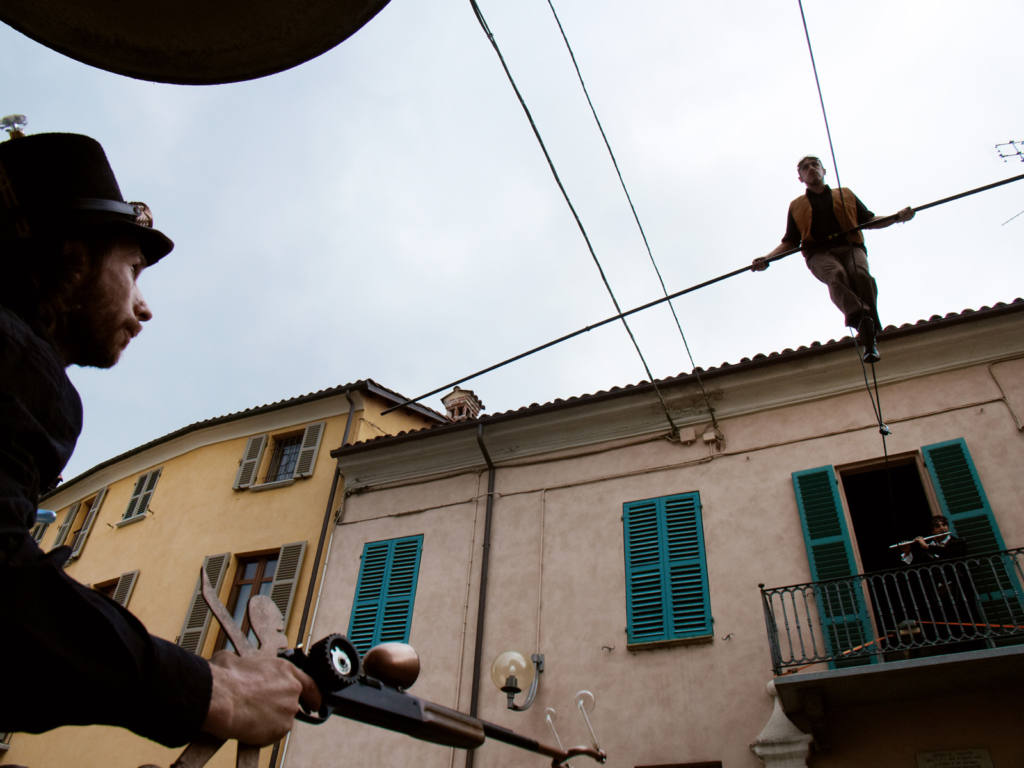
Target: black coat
(68,654)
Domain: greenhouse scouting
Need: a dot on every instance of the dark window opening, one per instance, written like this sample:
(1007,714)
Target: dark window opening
(284,458)
(886,505)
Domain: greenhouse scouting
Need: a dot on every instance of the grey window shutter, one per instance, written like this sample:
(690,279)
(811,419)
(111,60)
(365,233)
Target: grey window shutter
(147,493)
(90,518)
(69,518)
(197,620)
(307,454)
(249,464)
(286,577)
(124,588)
(133,502)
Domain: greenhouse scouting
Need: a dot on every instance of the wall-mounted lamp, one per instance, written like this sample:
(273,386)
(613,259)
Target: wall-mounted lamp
(511,672)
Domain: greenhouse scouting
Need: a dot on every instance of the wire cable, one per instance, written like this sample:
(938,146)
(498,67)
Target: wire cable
(636,217)
(572,209)
(682,292)
(821,100)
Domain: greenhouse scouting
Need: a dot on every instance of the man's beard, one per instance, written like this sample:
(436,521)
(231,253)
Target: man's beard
(91,330)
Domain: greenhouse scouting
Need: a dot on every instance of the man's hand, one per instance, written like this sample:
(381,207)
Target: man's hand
(255,698)
(760,264)
(905,215)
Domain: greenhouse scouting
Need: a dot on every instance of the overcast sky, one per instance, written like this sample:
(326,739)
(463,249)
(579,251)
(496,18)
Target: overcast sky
(384,211)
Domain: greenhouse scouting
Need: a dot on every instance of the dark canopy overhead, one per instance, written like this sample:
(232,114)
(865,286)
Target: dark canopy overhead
(196,42)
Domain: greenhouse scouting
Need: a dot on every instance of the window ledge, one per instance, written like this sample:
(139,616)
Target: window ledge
(130,520)
(272,485)
(655,644)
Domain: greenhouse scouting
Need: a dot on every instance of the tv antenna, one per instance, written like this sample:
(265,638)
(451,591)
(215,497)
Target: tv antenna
(1012,149)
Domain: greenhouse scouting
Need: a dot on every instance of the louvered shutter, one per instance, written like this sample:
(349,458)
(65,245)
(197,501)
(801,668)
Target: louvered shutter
(249,464)
(286,577)
(124,588)
(307,453)
(197,620)
(964,503)
(147,492)
(90,518)
(841,604)
(666,571)
(133,502)
(385,592)
(65,526)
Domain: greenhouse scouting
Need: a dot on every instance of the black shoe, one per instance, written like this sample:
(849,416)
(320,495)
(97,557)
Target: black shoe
(866,332)
(871,353)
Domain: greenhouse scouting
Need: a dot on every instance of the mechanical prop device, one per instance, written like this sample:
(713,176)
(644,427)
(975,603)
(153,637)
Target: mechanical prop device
(371,689)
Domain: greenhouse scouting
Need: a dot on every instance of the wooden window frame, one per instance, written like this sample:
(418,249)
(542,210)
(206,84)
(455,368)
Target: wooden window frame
(262,558)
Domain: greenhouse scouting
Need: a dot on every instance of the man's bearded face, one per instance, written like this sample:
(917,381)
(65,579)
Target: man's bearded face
(109,309)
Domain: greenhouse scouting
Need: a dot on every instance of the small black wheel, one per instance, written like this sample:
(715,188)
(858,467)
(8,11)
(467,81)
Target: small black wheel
(333,662)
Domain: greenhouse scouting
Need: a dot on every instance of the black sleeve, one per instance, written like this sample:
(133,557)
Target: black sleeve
(863,214)
(71,656)
(955,547)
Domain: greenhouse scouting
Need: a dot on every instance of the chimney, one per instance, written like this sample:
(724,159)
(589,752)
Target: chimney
(462,404)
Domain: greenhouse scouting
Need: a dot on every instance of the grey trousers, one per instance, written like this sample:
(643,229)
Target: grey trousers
(844,269)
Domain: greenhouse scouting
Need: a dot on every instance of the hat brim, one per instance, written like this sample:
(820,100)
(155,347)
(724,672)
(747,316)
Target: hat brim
(153,243)
(190,42)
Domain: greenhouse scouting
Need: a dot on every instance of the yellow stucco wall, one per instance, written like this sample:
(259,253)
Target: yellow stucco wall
(194,512)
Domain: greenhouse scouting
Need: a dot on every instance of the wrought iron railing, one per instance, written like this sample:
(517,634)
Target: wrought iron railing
(944,606)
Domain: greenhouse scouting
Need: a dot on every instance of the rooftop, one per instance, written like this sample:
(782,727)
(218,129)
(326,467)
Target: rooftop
(746,363)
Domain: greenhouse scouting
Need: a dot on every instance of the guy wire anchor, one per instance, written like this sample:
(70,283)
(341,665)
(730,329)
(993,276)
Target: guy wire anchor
(549,716)
(585,700)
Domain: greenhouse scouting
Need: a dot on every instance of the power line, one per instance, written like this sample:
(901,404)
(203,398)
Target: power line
(821,100)
(636,217)
(683,292)
(572,209)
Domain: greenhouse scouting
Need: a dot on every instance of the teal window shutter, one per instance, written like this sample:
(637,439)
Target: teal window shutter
(667,596)
(841,604)
(961,496)
(385,592)
(963,502)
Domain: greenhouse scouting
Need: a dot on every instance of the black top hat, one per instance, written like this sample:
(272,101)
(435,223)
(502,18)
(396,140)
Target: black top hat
(57,184)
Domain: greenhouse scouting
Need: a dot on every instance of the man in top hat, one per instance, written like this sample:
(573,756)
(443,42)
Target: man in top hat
(819,222)
(71,250)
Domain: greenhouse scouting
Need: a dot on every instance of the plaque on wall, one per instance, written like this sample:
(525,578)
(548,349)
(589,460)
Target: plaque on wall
(955,758)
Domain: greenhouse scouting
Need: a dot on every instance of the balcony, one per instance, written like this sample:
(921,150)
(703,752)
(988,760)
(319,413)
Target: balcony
(910,632)
(943,607)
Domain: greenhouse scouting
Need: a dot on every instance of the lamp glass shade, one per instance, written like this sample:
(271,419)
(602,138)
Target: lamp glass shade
(512,664)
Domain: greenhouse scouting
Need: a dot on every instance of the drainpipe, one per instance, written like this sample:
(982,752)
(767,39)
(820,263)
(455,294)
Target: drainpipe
(327,520)
(319,553)
(484,567)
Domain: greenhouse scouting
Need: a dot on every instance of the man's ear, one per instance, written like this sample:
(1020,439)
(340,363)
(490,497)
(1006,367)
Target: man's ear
(75,255)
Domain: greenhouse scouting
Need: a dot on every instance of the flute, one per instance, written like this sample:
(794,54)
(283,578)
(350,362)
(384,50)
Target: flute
(899,544)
